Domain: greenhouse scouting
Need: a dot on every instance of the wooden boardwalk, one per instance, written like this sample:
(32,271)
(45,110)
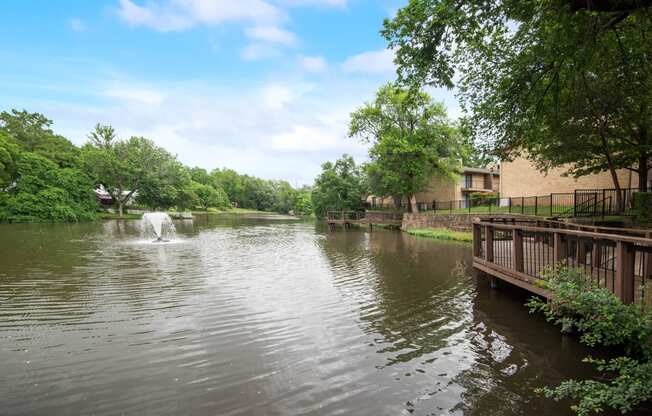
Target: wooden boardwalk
(349,218)
(517,251)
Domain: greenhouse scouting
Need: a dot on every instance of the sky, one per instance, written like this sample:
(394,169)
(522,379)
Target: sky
(264,87)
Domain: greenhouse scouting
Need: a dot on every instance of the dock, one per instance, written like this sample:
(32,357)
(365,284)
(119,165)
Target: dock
(518,250)
(348,218)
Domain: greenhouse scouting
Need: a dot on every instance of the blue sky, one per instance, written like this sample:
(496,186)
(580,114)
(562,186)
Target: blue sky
(261,86)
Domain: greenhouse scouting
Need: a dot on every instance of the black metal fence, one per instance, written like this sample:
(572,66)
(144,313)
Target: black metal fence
(580,203)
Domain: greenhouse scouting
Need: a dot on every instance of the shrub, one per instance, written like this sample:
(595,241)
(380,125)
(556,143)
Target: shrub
(602,320)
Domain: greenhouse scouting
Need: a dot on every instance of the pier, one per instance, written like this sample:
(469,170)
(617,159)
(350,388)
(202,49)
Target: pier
(518,250)
(349,218)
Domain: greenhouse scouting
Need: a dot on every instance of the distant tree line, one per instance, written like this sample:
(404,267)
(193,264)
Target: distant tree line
(45,177)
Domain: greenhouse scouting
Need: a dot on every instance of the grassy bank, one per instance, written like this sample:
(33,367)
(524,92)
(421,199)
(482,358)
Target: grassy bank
(213,211)
(441,234)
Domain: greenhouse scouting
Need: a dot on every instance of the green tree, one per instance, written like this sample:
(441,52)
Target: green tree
(45,192)
(210,197)
(303,201)
(169,186)
(32,133)
(200,175)
(8,159)
(125,167)
(568,82)
(412,140)
(340,186)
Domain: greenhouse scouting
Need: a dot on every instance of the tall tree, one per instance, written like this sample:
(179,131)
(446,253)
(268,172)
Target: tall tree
(567,82)
(125,167)
(340,186)
(412,140)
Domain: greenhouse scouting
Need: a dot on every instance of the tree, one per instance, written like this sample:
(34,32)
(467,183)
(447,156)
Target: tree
(45,192)
(8,159)
(210,197)
(412,140)
(169,186)
(340,186)
(125,167)
(568,82)
(32,133)
(303,201)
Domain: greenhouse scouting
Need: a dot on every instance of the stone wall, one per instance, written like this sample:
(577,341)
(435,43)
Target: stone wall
(453,222)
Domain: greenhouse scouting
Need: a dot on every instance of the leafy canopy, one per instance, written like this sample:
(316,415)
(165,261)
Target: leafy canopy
(339,186)
(569,82)
(412,140)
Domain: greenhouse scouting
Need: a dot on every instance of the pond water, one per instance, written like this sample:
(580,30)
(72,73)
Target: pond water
(246,316)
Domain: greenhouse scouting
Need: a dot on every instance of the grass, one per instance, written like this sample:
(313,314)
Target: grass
(543,211)
(115,216)
(441,234)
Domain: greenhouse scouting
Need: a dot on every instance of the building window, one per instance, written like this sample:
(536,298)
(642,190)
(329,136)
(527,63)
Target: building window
(468,180)
(487,181)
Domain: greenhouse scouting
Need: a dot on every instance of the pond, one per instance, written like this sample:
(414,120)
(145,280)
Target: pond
(260,316)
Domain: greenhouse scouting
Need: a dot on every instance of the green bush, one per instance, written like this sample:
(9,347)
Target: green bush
(602,320)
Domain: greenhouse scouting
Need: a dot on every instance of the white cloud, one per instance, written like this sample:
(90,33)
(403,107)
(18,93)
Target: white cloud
(326,3)
(283,129)
(258,51)
(131,94)
(371,62)
(77,25)
(313,63)
(271,34)
(176,15)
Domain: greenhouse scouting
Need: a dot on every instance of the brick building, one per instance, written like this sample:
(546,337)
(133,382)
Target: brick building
(521,178)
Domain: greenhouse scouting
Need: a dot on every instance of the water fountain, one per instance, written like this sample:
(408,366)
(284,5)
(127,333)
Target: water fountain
(158,225)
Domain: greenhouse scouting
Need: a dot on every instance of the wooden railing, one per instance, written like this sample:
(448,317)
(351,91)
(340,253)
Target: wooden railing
(519,250)
(345,215)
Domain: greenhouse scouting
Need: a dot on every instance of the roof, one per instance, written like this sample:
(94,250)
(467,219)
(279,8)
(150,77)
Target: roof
(479,170)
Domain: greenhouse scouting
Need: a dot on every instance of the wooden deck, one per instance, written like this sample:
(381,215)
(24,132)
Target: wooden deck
(517,251)
(349,218)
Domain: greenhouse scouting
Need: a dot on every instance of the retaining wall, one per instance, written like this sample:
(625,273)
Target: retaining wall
(461,222)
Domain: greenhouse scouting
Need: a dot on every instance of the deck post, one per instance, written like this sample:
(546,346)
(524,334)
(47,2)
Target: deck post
(596,254)
(517,250)
(647,265)
(489,243)
(477,240)
(559,248)
(581,252)
(624,285)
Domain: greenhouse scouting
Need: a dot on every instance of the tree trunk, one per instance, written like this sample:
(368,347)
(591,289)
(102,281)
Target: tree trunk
(643,168)
(412,200)
(643,160)
(614,174)
(120,208)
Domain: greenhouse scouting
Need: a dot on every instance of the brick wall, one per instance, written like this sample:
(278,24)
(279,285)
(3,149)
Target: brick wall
(521,178)
(453,222)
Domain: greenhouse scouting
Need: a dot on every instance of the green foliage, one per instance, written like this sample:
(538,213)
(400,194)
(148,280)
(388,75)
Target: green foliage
(602,320)
(340,186)
(643,207)
(44,177)
(630,385)
(570,82)
(441,234)
(45,192)
(210,197)
(32,133)
(303,202)
(8,159)
(412,140)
